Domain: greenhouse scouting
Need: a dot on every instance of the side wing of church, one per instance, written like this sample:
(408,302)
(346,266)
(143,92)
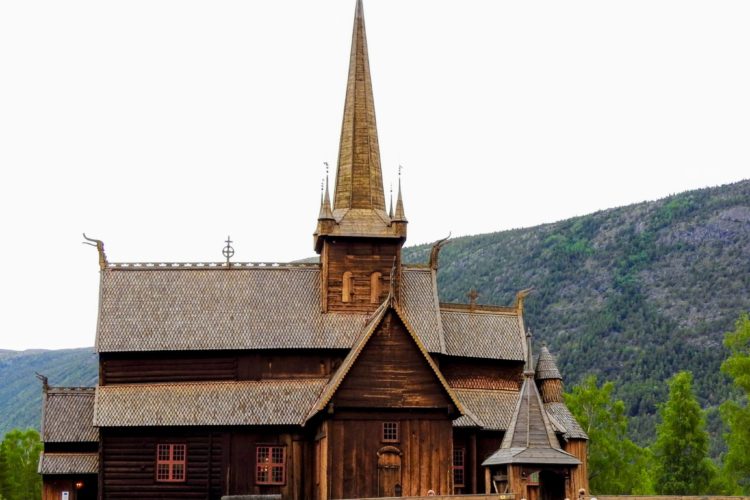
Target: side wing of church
(346,378)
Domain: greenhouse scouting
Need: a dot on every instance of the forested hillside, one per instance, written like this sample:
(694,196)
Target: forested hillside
(21,392)
(631,294)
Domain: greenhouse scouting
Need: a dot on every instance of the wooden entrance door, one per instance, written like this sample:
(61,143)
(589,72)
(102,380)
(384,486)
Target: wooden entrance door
(389,472)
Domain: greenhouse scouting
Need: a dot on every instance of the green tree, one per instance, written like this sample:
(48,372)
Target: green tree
(736,467)
(20,450)
(616,464)
(681,450)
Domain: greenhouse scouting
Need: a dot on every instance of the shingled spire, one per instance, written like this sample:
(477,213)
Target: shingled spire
(359,180)
(359,208)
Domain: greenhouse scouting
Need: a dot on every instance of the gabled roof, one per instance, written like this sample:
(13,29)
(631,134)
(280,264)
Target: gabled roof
(68,463)
(377,317)
(264,402)
(541,456)
(67,415)
(190,307)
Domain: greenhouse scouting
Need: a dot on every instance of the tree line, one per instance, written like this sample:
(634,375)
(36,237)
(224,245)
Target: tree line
(677,462)
(19,456)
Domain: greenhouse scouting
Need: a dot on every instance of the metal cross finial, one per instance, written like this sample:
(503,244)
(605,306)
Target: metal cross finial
(399,170)
(326,164)
(228,250)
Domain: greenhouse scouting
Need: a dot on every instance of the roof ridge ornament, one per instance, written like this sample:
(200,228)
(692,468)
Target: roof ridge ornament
(435,252)
(228,251)
(521,296)
(99,245)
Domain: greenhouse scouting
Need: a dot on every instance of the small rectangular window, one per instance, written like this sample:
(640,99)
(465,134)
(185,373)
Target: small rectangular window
(459,463)
(171,462)
(270,465)
(390,432)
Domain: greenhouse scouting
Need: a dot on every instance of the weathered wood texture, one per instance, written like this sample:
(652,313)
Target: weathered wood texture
(579,475)
(425,457)
(551,390)
(391,372)
(54,486)
(471,373)
(361,258)
(148,367)
(128,463)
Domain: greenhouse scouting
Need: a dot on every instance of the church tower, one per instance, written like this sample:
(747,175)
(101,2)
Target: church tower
(358,241)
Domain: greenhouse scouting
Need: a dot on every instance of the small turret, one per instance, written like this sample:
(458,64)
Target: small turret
(548,377)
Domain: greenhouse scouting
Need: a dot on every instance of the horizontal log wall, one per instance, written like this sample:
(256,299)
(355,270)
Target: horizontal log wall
(150,367)
(128,466)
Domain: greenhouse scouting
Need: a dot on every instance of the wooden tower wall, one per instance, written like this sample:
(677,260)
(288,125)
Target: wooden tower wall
(361,257)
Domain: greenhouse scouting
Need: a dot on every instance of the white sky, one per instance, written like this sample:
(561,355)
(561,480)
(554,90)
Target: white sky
(162,126)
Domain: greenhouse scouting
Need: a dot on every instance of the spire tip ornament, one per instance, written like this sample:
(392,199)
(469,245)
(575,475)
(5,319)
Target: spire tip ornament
(228,251)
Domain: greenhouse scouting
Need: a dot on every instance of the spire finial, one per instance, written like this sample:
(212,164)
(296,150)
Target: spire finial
(529,371)
(325,199)
(400,215)
(390,210)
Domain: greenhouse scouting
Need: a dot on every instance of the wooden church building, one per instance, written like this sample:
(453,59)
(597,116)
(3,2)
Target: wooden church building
(346,378)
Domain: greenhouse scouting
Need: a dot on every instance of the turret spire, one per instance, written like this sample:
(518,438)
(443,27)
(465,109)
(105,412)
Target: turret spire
(400,216)
(359,180)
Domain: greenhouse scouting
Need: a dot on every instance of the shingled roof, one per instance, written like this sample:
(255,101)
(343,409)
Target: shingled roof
(265,402)
(489,409)
(199,308)
(546,368)
(68,463)
(482,333)
(67,415)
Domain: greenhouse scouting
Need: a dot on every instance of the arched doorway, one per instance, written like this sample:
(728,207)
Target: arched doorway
(389,472)
(551,485)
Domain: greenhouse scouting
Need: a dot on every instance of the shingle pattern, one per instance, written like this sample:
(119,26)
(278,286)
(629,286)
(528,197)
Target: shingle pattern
(493,409)
(546,368)
(265,402)
(531,456)
(562,415)
(147,309)
(68,463)
(478,334)
(193,309)
(68,416)
(421,308)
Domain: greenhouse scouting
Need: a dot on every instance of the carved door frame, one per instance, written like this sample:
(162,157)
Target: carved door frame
(389,462)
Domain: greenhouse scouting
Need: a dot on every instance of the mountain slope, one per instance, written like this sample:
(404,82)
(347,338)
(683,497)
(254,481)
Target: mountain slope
(632,294)
(21,392)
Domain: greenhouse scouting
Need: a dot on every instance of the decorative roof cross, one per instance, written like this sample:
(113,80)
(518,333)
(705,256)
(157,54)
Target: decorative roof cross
(473,295)
(228,250)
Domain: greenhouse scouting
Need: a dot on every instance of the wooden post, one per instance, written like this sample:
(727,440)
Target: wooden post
(487,480)
(473,454)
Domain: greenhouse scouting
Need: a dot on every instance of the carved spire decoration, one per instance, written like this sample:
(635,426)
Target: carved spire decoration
(359,181)
(435,252)
(400,215)
(99,245)
(325,200)
(390,210)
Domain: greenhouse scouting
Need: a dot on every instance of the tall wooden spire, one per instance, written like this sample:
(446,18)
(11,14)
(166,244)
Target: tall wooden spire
(358,241)
(359,209)
(359,180)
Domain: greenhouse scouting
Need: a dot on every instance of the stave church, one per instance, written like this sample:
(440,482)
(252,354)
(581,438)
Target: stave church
(340,379)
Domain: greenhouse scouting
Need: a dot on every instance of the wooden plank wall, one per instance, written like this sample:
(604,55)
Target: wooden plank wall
(391,372)
(362,258)
(579,475)
(128,463)
(130,368)
(426,460)
(53,486)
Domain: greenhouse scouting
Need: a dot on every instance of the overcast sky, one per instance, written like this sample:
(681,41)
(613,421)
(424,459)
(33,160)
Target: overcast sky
(163,126)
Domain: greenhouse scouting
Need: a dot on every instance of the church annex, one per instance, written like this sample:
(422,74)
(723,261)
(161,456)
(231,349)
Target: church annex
(346,378)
